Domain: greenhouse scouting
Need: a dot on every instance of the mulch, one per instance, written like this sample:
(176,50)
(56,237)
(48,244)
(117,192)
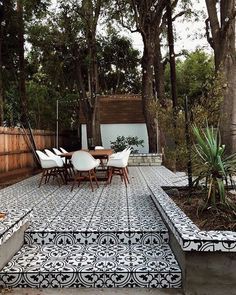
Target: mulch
(206,217)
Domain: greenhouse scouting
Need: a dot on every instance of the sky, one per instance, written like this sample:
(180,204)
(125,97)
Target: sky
(191,35)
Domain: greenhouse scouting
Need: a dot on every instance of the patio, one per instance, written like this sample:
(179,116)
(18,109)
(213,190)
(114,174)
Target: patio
(112,237)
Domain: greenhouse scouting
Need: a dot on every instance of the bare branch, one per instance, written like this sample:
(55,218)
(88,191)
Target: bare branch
(178,15)
(127,27)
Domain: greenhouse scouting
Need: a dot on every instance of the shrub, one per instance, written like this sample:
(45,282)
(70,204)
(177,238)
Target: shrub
(122,142)
(212,167)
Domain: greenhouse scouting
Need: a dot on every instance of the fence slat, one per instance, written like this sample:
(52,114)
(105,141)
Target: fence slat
(15,152)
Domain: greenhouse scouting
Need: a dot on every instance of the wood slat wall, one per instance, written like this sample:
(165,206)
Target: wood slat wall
(117,109)
(15,151)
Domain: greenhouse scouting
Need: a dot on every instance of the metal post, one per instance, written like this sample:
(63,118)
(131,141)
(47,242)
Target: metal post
(188,143)
(57,131)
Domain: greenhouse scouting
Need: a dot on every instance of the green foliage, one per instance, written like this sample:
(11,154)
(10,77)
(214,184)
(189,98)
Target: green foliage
(118,62)
(212,167)
(193,74)
(196,79)
(122,142)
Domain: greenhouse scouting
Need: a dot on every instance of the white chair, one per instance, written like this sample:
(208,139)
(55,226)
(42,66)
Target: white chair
(117,165)
(63,150)
(67,164)
(99,147)
(83,162)
(51,167)
(57,152)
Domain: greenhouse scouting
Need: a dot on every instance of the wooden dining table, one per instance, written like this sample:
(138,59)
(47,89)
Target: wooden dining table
(102,154)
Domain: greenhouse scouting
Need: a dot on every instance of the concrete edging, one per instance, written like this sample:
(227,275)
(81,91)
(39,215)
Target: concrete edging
(207,258)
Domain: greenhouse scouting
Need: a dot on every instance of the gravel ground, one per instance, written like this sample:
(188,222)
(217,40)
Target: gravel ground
(88,291)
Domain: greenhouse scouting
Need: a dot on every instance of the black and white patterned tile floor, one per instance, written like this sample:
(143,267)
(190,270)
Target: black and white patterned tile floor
(94,265)
(112,237)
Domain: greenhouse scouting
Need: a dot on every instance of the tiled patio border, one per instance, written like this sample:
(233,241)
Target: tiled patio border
(12,223)
(188,235)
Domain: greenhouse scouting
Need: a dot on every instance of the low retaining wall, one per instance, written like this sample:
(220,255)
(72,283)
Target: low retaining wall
(150,159)
(207,258)
(12,229)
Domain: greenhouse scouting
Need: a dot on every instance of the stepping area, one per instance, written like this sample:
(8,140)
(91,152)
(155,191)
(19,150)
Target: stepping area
(112,237)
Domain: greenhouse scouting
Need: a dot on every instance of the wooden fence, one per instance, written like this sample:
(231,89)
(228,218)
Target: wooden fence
(15,151)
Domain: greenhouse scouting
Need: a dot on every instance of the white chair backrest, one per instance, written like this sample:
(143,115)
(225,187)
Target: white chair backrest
(56,158)
(127,154)
(99,147)
(63,150)
(47,162)
(41,155)
(57,152)
(83,161)
(50,153)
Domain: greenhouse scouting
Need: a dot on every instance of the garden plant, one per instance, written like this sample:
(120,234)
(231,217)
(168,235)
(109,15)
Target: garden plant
(214,169)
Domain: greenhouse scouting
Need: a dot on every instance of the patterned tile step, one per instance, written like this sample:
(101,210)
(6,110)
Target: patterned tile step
(105,238)
(13,221)
(92,266)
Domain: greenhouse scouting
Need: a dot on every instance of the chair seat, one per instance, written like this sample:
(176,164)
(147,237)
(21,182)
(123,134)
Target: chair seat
(117,165)
(83,162)
(52,167)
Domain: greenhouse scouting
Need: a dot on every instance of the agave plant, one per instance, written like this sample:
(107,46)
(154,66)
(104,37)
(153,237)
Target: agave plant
(213,168)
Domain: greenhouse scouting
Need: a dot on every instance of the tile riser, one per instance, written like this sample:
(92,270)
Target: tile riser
(92,280)
(46,238)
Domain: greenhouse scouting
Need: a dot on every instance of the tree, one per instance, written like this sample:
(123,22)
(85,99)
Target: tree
(145,17)
(118,65)
(22,88)
(8,58)
(220,29)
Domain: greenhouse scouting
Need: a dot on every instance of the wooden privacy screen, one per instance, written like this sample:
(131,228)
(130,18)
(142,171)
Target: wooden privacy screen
(119,109)
(15,152)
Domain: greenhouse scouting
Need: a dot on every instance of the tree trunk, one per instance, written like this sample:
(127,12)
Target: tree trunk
(172,74)
(147,91)
(147,15)
(159,71)
(222,39)
(91,112)
(228,120)
(22,88)
(91,13)
(227,64)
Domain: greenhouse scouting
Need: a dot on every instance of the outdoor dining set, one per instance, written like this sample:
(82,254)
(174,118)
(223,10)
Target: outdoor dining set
(83,165)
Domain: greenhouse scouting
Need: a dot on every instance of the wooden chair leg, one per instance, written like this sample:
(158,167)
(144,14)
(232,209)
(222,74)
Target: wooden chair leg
(47,177)
(110,173)
(90,179)
(57,174)
(120,172)
(74,182)
(41,179)
(124,176)
(95,177)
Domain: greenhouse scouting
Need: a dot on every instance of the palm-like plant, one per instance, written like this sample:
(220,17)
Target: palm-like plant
(212,166)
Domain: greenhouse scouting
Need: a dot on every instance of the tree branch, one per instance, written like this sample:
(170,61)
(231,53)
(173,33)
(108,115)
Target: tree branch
(213,20)
(178,15)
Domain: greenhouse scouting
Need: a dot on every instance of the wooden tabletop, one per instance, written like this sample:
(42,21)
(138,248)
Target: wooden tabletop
(94,153)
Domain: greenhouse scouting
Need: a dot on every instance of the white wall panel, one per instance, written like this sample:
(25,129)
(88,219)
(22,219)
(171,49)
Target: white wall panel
(111,131)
